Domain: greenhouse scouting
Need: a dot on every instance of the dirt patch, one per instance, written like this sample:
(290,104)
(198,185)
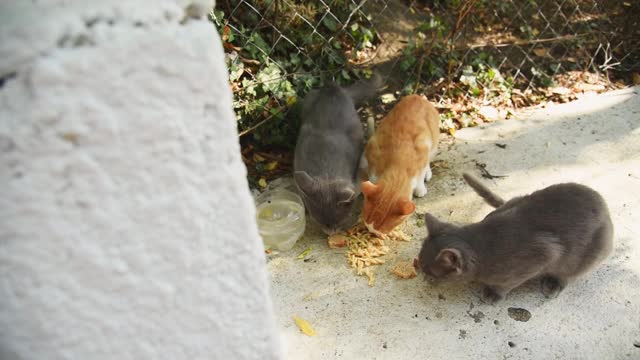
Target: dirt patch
(477,316)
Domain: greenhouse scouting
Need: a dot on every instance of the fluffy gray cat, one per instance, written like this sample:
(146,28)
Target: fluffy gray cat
(555,234)
(328,151)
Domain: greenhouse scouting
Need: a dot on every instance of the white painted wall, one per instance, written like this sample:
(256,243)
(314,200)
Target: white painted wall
(127,229)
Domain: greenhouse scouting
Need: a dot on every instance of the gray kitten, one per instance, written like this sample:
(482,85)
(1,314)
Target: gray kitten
(328,151)
(555,234)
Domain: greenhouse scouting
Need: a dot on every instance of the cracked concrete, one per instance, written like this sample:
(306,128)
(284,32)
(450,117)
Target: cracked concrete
(595,141)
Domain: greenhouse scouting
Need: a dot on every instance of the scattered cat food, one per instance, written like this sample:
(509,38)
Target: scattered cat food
(304,254)
(268,251)
(304,326)
(519,314)
(404,270)
(337,241)
(365,249)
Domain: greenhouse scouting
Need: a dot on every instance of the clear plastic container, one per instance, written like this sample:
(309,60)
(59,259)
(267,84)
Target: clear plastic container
(281,220)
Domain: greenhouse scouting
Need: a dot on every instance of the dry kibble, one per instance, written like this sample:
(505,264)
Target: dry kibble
(404,270)
(365,249)
(337,241)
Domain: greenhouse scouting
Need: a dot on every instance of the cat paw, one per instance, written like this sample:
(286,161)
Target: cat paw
(552,286)
(490,295)
(428,174)
(420,191)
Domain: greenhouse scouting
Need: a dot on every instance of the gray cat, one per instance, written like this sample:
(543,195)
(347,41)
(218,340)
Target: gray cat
(328,151)
(555,234)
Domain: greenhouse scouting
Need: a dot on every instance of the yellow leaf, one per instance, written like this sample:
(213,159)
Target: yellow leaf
(271,166)
(257,158)
(304,253)
(70,137)
(291,100)
(304,326)
(452,131)
(262,182)
(540,51)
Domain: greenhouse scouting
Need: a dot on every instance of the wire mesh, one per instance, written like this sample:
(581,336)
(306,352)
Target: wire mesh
(504,53)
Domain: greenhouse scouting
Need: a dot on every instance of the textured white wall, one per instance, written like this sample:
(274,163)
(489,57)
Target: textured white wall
(127,229)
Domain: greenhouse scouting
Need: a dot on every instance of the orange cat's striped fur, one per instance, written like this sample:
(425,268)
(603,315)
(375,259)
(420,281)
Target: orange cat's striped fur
(398,156)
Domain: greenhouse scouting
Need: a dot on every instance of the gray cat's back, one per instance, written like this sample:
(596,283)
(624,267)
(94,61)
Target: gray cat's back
(568,218)
(331,136)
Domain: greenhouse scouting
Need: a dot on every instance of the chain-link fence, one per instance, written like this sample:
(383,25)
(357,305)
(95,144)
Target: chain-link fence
(475,58)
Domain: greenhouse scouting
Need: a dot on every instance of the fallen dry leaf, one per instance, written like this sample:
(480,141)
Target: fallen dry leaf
(262,182)
(540,51)
(271,166)
(304,326)
(304,254)
(560,90)
(225,33)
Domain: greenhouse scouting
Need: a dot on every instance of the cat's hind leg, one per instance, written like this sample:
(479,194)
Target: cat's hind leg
(419,187)
(428,173)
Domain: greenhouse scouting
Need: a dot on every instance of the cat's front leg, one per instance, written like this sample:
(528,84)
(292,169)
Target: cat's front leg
(492,294)
(552,286)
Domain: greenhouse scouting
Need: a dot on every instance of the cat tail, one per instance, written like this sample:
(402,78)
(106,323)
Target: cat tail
(371,127)
(489,196)
(364,90)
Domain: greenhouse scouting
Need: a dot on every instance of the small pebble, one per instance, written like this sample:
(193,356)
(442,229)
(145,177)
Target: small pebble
(511,344)
(519,314)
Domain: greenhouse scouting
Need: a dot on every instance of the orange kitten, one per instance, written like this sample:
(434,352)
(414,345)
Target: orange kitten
(397,157)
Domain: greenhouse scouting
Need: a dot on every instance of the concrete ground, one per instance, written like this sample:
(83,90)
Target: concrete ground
(594,141)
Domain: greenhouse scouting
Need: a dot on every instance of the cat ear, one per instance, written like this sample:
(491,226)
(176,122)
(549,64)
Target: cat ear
(434,226)
(303,180)
(406,207)
(346,196)
(368,188)
(450,258)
